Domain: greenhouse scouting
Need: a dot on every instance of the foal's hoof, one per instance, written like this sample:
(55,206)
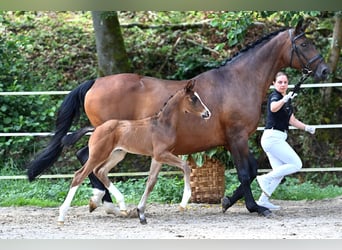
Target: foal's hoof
(133,213)
(92,206)
(181,209)
(143,221)
(123,213)
(142,217)
(226,203)
(60,223)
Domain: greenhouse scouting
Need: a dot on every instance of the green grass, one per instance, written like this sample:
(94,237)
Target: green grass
(51,193)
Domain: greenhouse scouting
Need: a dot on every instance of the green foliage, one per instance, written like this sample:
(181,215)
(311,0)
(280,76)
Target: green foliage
(219,153)
(40,193)
(234,24)
(51,193)
(38,51)
(292,189)
(166,190)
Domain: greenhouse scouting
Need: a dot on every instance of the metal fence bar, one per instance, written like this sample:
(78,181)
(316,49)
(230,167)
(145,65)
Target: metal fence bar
(42,134)
(34,93)
(164,173)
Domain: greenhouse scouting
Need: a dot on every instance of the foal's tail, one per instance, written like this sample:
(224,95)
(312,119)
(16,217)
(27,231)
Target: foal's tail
(67,113)
(72,138)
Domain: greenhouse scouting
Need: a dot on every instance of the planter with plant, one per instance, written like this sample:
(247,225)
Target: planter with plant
(207,179)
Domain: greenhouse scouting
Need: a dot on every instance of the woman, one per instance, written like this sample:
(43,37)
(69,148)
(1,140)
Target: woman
(283,159)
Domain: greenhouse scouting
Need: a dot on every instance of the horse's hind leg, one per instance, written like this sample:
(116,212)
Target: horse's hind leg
(100,193)
(151,181)
(102,173)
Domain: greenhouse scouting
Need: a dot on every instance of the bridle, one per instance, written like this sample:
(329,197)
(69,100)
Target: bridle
(301,56)
(306,68)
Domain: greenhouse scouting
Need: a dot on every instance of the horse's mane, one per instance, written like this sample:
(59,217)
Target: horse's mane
(254,44)
(165,104)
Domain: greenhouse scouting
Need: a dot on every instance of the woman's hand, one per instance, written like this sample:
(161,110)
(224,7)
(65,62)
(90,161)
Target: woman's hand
(310,129)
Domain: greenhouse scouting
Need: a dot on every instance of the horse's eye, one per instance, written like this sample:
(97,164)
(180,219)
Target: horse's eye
(304,44)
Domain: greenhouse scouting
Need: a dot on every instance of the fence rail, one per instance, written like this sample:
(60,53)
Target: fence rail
(45,134)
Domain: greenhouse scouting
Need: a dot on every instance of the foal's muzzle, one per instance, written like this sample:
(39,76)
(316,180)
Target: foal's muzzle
(206,114)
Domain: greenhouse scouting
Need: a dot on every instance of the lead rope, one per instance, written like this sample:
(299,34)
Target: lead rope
(305,74)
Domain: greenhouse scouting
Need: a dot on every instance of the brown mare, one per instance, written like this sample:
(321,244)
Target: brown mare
(154,136)
(233,92)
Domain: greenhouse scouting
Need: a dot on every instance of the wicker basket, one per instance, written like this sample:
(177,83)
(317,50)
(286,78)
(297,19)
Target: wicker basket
(207,182)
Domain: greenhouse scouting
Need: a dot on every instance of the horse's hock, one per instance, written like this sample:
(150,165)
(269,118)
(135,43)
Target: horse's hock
(207,182)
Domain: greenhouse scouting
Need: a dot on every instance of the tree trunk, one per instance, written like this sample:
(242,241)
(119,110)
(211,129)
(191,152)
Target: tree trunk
(334,54)
(336,43)
(111,52)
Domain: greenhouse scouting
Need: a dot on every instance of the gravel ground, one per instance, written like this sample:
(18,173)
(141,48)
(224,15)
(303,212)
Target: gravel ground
(297,219)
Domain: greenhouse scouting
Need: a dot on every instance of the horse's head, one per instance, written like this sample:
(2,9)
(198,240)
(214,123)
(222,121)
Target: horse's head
(192,102)
(304,54)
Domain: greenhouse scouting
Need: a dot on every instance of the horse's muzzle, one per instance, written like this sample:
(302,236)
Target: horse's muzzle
(322,72)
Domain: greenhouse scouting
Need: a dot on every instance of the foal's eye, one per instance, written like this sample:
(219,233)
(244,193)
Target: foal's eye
(194,98)
(303,44)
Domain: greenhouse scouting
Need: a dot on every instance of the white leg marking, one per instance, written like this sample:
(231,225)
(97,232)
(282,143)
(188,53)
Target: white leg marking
(187,187)
(66,204)
(97,196)
(118,196)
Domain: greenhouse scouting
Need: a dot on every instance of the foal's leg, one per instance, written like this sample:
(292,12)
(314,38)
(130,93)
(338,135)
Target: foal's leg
(79,177)
(99,190)
(151,181)
(171,159)
(102,174)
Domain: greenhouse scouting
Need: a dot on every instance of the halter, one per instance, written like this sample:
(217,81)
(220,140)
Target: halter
(306,68)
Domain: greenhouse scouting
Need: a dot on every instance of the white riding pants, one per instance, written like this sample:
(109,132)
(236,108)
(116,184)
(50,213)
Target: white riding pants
(283,159)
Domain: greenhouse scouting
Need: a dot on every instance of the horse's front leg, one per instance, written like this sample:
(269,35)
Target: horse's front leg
(242,160)
(229,201)
(151,181)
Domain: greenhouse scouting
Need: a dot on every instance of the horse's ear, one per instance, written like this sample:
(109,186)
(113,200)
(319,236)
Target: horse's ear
(190,85)
(300,28)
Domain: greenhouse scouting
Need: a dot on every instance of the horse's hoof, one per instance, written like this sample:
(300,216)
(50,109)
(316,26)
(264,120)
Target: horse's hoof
(92,206)
(266,213)
(226,203)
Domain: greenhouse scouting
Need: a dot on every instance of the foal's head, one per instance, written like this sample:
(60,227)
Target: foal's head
(192,102)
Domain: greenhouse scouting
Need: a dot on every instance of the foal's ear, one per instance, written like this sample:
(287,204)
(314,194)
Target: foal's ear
(190,85)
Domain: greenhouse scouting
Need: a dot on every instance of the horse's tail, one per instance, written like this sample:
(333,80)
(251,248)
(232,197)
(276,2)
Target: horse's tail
(72,138)
(67,113)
